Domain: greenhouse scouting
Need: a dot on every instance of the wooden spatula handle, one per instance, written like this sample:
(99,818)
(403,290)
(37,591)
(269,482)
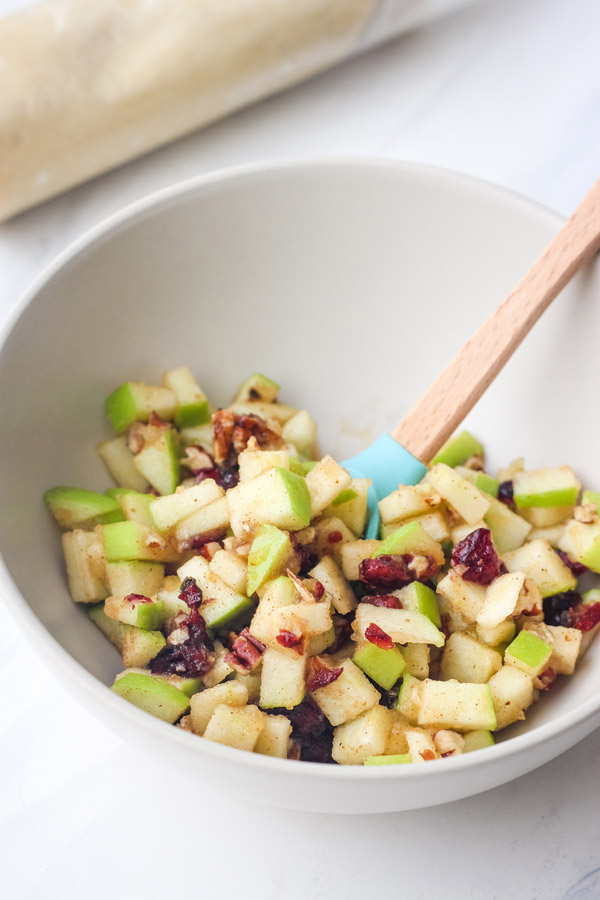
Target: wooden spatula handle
(455,391)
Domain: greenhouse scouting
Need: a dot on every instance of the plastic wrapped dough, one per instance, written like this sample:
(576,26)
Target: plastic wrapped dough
(88,84)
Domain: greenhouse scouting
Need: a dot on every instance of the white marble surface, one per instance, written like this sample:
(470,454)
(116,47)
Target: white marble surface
(506,92)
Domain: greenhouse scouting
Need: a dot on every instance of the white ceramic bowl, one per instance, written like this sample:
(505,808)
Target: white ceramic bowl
(352,284)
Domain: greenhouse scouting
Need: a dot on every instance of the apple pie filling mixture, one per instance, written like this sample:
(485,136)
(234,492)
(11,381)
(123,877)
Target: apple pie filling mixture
(229,568)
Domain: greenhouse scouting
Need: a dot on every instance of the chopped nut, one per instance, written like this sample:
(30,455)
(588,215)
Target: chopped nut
(587,514)
(185,723)
(475,463)
(448,742)
(196,459)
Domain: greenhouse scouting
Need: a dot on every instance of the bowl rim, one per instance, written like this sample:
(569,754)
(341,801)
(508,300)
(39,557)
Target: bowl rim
(52,652)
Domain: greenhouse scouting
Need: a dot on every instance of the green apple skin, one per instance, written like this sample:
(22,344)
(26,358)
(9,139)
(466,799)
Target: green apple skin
(458,450)
(528,649)
(154,695)
(477,740)
(148,616)
(345,497)
(257,387)
(110,628)
(298,494)
(128,540)
(159,462)
(191,414)
(135,401)
(391,760)
(487,483)
(271,548)
(422,599)
(121,407)
(561,497)
(75,506)
(383,666)
(592,497)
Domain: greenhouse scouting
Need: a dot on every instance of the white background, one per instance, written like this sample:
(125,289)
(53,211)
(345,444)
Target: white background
(509,92)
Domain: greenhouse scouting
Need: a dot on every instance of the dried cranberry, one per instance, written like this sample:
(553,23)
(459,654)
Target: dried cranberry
(506,493)
(210,472)
(193,658)
(386,600)
(289,639)
(585,617)
(385,572)
(577,568)
(137,598)
(376,635)
(229,477)
(320,675)
(334,537)
(190,593)
(547,678)
(557,608)
(312,735)
(199,541)
(477,555)
(246,652)
(445,626)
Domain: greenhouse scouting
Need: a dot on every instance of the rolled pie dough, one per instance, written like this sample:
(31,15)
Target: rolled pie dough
(88,84)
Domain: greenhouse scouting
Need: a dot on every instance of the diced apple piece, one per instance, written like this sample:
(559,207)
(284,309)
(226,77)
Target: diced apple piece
(154,695)
(459,533)
(192,406)
(280,592)
(501,599)
(325,482)
(336,586)
(396,742)
(477,740)
(139,646)
(464,597)
(118,459)
(318,643)
(422,599)
(508,530)
(169,510)
(203,704)
(134,577)
(547,516)
(254,462)
(463,496)
(221,605)
(582,543)
(538,561)
(257,388)
(565,644)
(434,524)
(303,619)
(346,697)
(159,462)
(448,743)
(408,501)
(499,634)
(465,659)
(169,594)
(416,657)
(409,698)
(199,436)
(301,431)
(135,401)
(269,556)
(251,681)
(135,506)
(402,625)
(232,569)
(481,480)
(451,704)
(238,727)
(382,666)
(332,535)
(188,686)
(84,558)
(351,505)
(388,760)
(109,627)
(529,653)
(274,737)
(458,449)
(211,520)
(411,538)
(266,411)
(282,681)
(220,669)
(512,694)
(545,487)
(143,612)
(130,540)
(365,736)
(277,497)
(421,747)
(74,506)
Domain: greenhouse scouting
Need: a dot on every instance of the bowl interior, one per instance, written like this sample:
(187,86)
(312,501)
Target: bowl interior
(350,284)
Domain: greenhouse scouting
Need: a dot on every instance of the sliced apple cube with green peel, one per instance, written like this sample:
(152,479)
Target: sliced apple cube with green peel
(529,653)
(282,682)
(238,727)
(336,586)
(203,704)
(189,686)
(254,462)
(458,449)
(420,598)
(135,401)
(275,737)
(277,497)
(547,516)
(565,644)
(388,760)
(169,594)
(318,643)
(325,482)
(582,543)
(210,521)
(257,388)
(545,487)
(351,505)
(139,646)
(363,737)
(416,658)
(402,625)
(408,501)
(465,659)
(159,462)
(452,704)
(463,496)
(154,695)
(466,598)
(301,431)
(251,681)
(477,740)
(130,540)
(143,612)
(74,506)
(221,605)
(202,436)
(135,506)
(232,569)
(269,556)
(220,669)
(118,459)
(348,696)
(508,530)
(85,562)
(538,561)
(512,694)
(591,497)
(191,403)
(411,538)
(433,523)
(409,698)
(382,666)
(496,635)
(169,510)
(110,628)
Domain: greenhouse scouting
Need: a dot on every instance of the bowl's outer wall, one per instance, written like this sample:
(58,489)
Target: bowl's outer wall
(351,285)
